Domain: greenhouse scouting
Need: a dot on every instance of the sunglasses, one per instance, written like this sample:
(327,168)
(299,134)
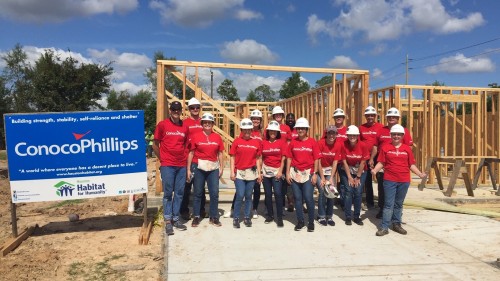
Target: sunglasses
(247,124)
(194,108)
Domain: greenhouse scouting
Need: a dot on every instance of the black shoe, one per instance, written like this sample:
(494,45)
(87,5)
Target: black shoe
(247,222)
(280,223)
(169,229)
(397,228)
(379,215)
(268,219)
(186,216)
(179,225)
(382,232)
(236,223)
(331,222)
(358,221)
(215,221)
(299,225)
(348,222)
(310,227)
(322,221)
(195,222)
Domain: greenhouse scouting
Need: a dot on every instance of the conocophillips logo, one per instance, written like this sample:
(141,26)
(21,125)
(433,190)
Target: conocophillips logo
(84,145)
(64,189)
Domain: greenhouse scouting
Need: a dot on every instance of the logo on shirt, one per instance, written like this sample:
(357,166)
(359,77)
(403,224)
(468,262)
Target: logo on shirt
(354,156)
(246,146)
(397,152)
(302,149)
(272,150)
(176,133)
(328,153)
(369,133)
(208,143)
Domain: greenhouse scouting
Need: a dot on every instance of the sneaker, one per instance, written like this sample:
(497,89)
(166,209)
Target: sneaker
(179,225)
(186,216)
(255,214)
(299,225)
(331,222)
(247,222)
(280,223)
(379,215)
(236,223)
(228,214)
(382,232)
(397,228)
(322,221)
(169,229)
(358,221)
(290,208)
(215,221)
(348,222)
(310,227)
(268,219)
(195,222)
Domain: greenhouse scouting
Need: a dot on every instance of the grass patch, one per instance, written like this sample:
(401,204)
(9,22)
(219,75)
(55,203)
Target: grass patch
(65,203)
(100,271)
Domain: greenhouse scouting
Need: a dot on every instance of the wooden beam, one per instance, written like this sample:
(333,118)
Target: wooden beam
(13,243)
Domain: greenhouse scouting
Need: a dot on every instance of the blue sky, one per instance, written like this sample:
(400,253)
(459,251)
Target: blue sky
(456,42)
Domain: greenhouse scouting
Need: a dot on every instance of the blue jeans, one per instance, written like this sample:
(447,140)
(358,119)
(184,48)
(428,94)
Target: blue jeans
(172,180)
(212,180)
(352,195)
(269,185)
(325,205)
(244,189)
(304,191)
(395,193)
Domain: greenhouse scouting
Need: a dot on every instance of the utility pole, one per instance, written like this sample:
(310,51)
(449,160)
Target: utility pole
(211,84)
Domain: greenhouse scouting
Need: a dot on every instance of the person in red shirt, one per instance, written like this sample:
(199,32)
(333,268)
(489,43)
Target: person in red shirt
(330,152)
(302,163)
(368,134)
(278,115)
(397,159)
(338,121)
(205,160)
(171,136)
(245,171)
(383,138)
(273,158)
(287,190)
(193,122)
(352,174)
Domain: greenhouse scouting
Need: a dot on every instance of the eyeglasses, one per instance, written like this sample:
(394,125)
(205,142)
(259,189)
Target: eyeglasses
(194,108)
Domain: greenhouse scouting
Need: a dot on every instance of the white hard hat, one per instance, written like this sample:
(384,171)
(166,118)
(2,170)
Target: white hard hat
(370,110)
(246,124)
(330,193)
(302,123)
(397,129)
(207,117)
(393,112)
(256,113)
(273,126)
(338,112)
(278,110)
(352,130)
(193,101)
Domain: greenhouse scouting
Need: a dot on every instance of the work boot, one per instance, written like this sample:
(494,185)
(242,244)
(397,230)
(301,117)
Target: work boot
(310,227)
(280,222)
(382,232)
(358,221)
(348,222)
(215,221)
(169,228)
(247,222)
(397,228)
(269,219)
(236,223)
(179,225)
(299,225)
(195,222)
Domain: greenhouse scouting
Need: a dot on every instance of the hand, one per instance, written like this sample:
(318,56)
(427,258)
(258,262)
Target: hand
(188,176)
(288,179)
(357,182)
(351,181)
(422,175)
(313,179)
(374,173)
(279,175)
(371,163)
(221,171)
(259,178)
(232,177)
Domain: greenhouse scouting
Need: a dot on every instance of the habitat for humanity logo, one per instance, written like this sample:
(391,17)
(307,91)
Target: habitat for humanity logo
(64,189)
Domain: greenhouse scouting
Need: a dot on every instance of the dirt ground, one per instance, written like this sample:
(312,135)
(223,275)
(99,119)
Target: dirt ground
(101,245)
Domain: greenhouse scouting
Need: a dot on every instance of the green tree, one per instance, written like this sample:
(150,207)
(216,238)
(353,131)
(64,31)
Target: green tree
(227,91)
(14,80)
(118,100)
(265,93)
(252,97)
(327,79)
(139,101)
(293,86)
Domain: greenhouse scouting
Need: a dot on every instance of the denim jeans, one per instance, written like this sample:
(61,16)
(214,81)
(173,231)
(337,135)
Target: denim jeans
(352,195)
(212,180)
(325,205)
(244,189)
(304,191)
(187,194)
(172,180)
(269,185)
(395,193)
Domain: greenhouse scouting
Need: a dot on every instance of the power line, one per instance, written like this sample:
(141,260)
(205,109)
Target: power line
(484,53)
(455,50)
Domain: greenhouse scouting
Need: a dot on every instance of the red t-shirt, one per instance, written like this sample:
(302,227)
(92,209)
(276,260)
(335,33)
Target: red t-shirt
(329,153)
(303,153)
(354,155)
(286,133)
(194,127)
(245,153)
(384,137)
(397,162)
(369,134)
(206,147)
(173,139)
(272,152)
(293,134)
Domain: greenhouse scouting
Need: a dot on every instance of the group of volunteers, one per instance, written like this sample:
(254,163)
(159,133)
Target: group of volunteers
(288,163)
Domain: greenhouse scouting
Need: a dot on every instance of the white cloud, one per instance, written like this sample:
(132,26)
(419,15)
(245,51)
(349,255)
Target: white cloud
(461,64)
(343,62)
(246,82)
(129,87)
(378,20)
(247,51)
(61,10)
(195,13)
(377,73)
(290,8)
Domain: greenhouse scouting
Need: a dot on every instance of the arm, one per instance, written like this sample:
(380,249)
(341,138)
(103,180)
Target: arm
(371,162)
(334,172)
(231,167)
(221,163)
(288,165)
(156,148)
(350,180)
(414,169)
(361,169)
(321,176)
(377,168)
(314,178)
(280,169)
(188,168)
(259,169)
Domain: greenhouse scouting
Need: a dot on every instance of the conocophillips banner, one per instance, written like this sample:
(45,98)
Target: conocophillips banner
(62,156)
